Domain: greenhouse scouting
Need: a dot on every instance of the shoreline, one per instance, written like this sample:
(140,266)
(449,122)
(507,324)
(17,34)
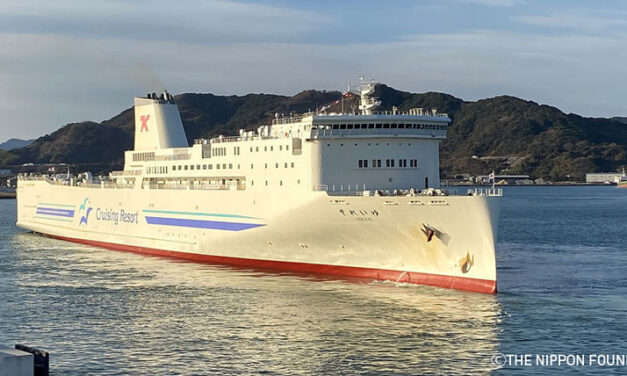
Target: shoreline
(532,185)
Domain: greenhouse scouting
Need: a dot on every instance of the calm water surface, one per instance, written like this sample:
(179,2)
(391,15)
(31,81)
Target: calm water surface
(562,289)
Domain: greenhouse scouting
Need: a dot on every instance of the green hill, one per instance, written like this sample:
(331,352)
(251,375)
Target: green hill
(504,133)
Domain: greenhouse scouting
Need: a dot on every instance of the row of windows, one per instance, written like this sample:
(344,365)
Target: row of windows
(157,169)
(202,167)
(363,163)
(218,152)
(208,167)
(236,150)
(377,144)
(388,126)
(265,148)
(144,156)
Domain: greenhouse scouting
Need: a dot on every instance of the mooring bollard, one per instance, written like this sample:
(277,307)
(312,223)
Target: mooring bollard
(15,362)
(41,359)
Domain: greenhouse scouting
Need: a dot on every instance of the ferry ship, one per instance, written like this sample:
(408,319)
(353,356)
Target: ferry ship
(621,181)
(350,194)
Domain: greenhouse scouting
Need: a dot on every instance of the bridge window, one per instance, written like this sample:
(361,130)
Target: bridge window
(204,167)
(360,163)
(394,126)
(186,167)
(224,166)
(392,162)
(370,126)
(173,168)
(378,126)
(349,126)
(385,126)
(335,126)
(217,166)
(191,167)
(401,126)
(210,166)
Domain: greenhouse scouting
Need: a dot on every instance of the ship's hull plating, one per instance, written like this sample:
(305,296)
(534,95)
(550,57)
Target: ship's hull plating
(381,238)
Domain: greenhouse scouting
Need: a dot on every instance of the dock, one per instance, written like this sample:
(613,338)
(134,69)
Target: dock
(7,195)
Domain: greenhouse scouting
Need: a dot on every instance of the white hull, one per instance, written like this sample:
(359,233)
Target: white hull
(267,198)
(366,236)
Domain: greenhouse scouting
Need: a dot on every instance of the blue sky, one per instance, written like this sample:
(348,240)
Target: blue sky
(67,61)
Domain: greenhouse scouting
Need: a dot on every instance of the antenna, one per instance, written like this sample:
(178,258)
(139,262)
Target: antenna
(367,103)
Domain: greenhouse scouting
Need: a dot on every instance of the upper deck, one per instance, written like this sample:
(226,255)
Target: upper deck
(357,151)
(415,123)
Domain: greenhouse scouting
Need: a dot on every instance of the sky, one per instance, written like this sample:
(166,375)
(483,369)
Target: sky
(68,61)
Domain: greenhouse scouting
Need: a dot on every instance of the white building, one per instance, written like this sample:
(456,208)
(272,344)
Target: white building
(603,177)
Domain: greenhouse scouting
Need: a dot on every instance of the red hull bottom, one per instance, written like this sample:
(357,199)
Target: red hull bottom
(457,283)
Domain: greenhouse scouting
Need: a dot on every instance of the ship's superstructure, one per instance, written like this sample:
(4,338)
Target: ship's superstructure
(353,194)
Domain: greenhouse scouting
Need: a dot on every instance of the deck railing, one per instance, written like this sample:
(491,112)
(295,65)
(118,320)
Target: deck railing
(433,133)
(362,190)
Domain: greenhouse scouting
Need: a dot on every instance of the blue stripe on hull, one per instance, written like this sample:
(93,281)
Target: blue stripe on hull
(55,212)
(213,225)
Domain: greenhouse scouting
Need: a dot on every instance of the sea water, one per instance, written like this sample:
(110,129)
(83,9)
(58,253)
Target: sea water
(562,270)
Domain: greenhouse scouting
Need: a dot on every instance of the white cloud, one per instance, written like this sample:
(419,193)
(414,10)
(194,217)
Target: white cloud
(494,3)
(196,20)
(49,79)
(587,22)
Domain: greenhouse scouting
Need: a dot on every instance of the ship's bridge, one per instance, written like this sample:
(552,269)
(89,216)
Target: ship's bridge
(413,123)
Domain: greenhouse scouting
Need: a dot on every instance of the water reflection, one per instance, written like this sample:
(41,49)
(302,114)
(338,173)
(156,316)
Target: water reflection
(138,314)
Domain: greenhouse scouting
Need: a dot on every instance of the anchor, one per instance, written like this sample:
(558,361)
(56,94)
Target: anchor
(428,231)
